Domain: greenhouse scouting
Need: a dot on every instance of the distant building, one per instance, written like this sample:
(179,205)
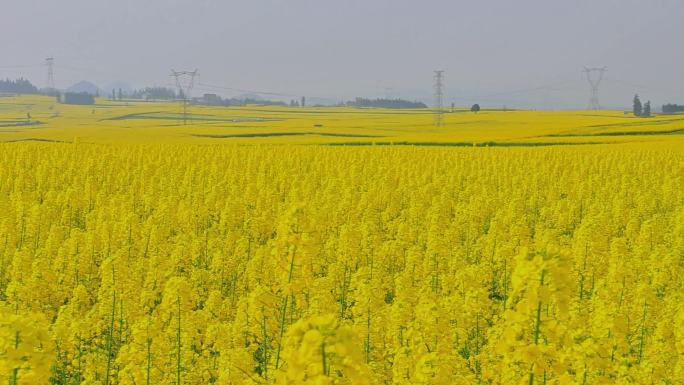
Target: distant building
(81,98)
(211,100)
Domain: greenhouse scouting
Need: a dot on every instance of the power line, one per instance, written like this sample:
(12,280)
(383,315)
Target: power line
(594,76)
(261,92)
(546,87)
(246,90)
(439,98)
(79,69)
(19,66)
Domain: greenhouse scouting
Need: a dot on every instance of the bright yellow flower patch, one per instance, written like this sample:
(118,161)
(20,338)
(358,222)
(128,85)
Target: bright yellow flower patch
(141,254)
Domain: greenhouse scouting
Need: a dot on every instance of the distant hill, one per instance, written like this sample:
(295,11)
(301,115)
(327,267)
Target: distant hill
(85,86)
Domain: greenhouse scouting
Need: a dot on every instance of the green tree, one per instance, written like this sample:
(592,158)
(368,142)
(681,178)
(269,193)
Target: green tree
(647,109)
(475,108)
(636,106)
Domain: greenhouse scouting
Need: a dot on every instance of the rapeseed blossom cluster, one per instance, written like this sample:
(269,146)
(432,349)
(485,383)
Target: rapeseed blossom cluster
(214,264)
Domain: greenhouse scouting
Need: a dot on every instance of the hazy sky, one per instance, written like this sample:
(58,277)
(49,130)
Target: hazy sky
(519,53)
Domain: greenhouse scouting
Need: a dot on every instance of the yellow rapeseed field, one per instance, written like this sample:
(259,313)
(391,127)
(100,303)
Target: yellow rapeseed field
(251,247)
(149,122)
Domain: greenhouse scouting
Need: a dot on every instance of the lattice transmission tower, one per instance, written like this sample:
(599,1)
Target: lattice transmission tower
(185,81)
(50,63)
(389,93)
(439,98)
(594,75)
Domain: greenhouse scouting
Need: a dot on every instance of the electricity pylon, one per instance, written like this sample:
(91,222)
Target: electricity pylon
(389,93)
(594,76)
(50,62)
(185,81)
(439,98)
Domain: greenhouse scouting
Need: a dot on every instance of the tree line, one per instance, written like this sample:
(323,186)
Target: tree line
(384,103)
(643,110)
(148,93)
(672,108)
(18,86)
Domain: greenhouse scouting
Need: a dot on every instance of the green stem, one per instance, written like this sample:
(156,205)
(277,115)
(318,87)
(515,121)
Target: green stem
(324,360)
(537,327)
(80,360)
(368,325)
(149,352)
(15,371)
(505,282)
(110,338)
(265,358)
(284,310)
(178,346)
(643,329)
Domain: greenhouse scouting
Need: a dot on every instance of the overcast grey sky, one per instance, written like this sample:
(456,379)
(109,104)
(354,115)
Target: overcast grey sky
(523,52)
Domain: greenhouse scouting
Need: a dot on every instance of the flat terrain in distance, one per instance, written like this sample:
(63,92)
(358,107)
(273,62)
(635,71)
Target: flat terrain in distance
(145,122)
